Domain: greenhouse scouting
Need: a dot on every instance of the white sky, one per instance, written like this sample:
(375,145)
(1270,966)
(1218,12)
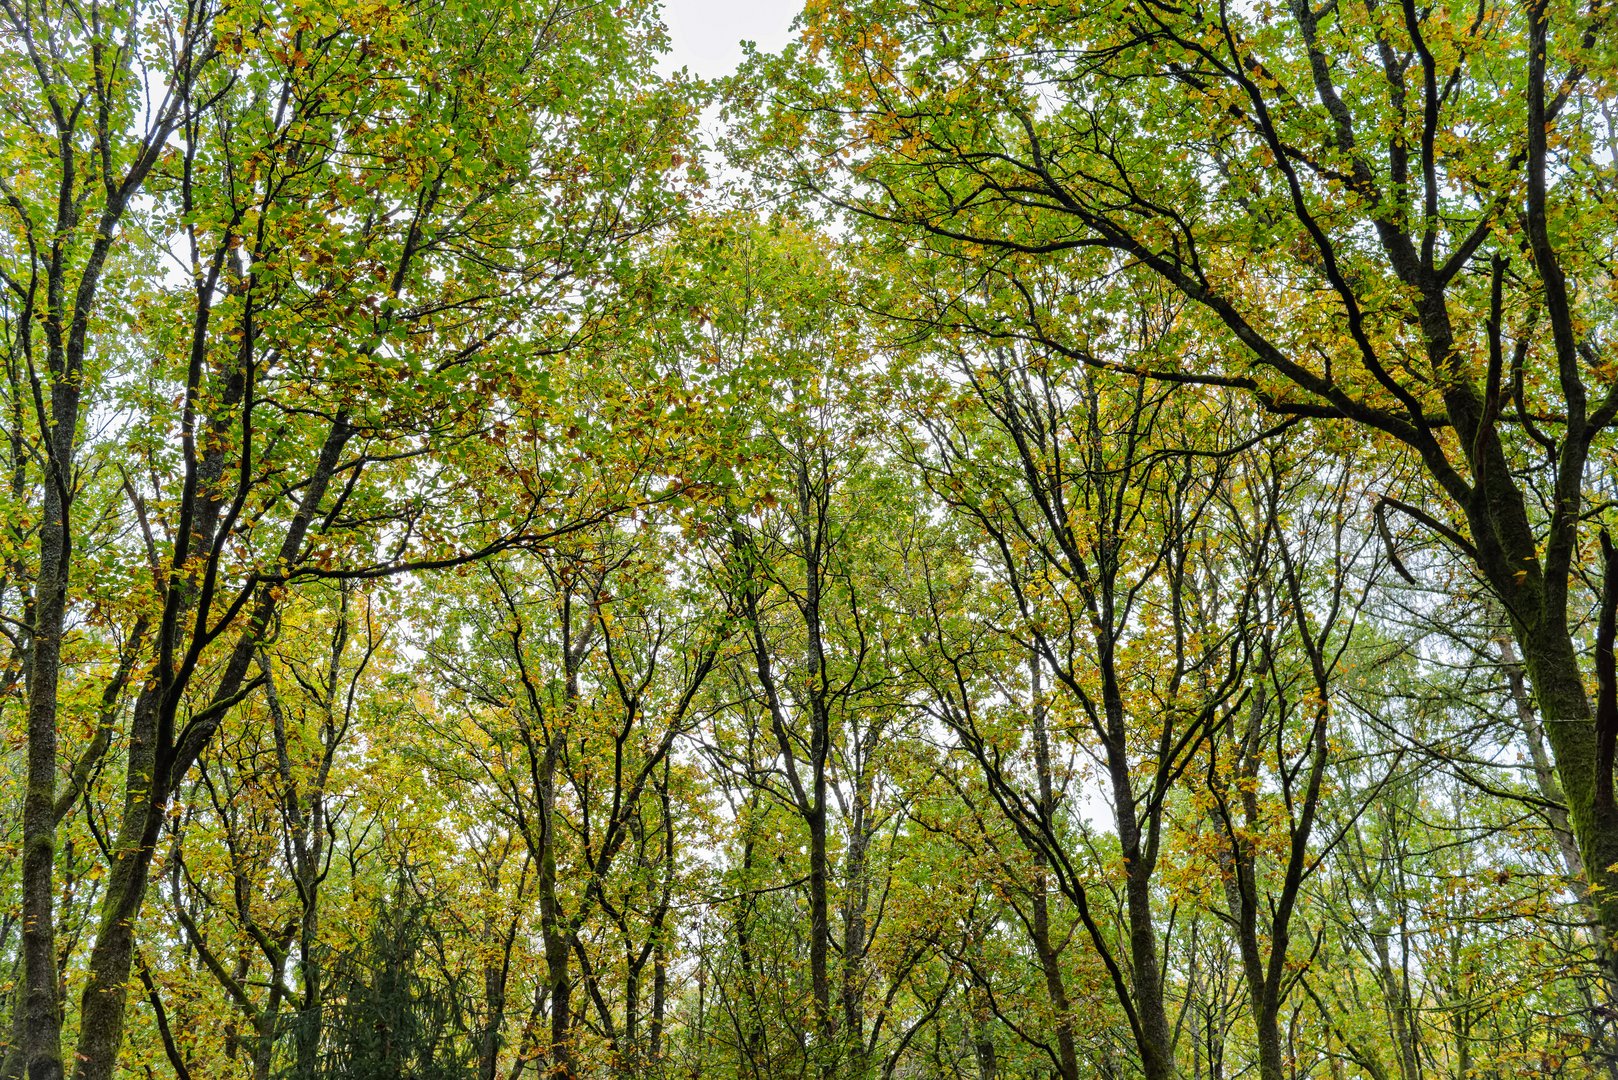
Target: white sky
(705,35)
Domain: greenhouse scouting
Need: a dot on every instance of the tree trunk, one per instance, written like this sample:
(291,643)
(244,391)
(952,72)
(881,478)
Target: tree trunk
(42,1014)
(1049,960)
(157,763)
(1567,845)
(983,1048)
(1155,1037)
(306,1033)
(660,991)
(494,997)
(820,929)
(1397,994)
(751,1036)
(855,902)
(12,1061)
(103,1004)
(551,928)
(660,961)
(264,1045)
(1570,730)
(629,1050)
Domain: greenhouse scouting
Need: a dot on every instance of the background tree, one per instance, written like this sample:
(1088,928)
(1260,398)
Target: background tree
(528,612)
(1362,224)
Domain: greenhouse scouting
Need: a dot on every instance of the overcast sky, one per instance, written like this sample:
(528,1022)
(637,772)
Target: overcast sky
(706,34)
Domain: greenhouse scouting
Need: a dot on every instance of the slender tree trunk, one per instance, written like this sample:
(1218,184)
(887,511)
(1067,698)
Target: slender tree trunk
(1397,995)
(496,979)
(1241,896)
(12,1062)
(1264,964)
(983,1046)
(552,931)
(820,928)
(629,1055)
(306,820)
(1241,888)
(1155,1036)
(660,992)
(810,800)
(660,961)
(1216,1046)
(1049,960)
(855,902)
(751,1034)
(306,1034)
(307,1023)
(812,535)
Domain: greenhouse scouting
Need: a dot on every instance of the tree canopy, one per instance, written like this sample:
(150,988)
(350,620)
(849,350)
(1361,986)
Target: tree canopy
(1001,541)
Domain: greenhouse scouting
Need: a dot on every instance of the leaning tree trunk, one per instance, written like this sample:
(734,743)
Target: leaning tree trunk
(158,760)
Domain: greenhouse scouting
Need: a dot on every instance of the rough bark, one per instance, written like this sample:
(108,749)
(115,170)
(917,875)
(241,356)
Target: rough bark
(42,1023)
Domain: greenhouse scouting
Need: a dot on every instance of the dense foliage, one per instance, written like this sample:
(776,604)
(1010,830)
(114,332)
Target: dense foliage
(1070,541)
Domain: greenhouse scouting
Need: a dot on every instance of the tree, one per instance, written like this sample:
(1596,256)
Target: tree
(574,700)
(1098,578)
(251,136)
(1088,516)
(1389,217)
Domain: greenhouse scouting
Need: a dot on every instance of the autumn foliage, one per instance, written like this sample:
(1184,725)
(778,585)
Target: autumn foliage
(1007,540)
